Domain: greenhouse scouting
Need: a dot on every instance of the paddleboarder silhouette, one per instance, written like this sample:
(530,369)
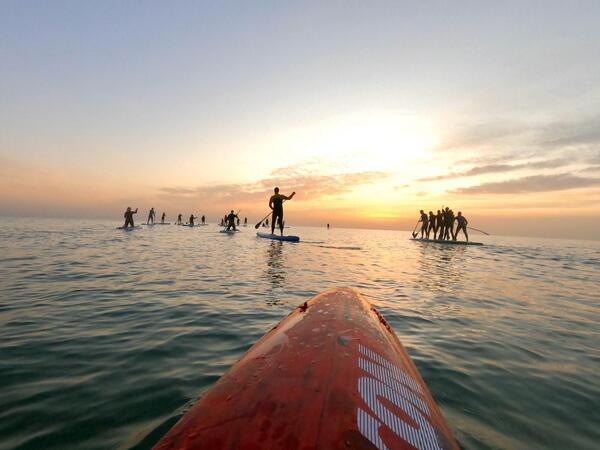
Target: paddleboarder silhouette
(129,217)
(276,205)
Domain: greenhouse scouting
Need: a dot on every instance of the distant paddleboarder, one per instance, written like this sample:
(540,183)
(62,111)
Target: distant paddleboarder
(151,215)
(462,225)
(231,220)
(203,219)
(438,225)
(179,221)
(424,221)
(129,217)
(276,204)
(245,221)
(431,226)
(162,218)
(192,220)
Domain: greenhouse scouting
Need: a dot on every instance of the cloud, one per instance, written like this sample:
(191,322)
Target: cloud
(536,183)
(500,168)
(309,186)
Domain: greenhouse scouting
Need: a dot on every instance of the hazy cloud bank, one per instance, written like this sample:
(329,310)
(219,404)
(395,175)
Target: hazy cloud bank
(309,186)
(536,183)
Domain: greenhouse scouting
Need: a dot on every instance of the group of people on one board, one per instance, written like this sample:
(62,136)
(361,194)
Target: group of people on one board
(229,220)
(442,225)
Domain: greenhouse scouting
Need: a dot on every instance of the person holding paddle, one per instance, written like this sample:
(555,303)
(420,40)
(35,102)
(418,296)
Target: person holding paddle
(462,225)
(231,220)
(424,222)
(276,205)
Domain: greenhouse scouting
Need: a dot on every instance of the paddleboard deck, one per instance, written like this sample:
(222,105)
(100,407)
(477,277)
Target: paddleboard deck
(439,241)
(137,227)
(277,237)
(331,375)
(229,231)
(157,223)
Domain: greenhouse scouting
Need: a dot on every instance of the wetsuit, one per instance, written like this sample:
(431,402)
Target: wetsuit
(425,221)
(462,225)
(231,221)
(438,225)
(129,218)
(451,224)
(446,225)
(277,216)
(431,225)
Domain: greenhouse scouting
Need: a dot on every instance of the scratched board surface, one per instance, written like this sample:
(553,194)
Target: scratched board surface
(107,337)
(331,375)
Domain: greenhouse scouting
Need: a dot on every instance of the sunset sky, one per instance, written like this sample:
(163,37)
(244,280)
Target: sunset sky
(370,111)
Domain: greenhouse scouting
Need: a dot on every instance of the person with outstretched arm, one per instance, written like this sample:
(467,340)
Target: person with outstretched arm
(276,205)
(129,217)
(231,220)
(424,222)
(151,214)
(462,225)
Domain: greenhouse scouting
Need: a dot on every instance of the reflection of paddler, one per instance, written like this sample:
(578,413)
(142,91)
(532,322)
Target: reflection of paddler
(276,204)
(129,217)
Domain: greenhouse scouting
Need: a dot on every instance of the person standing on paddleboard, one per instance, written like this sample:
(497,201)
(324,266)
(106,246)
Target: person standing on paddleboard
(231,220)
(162,218)
(203,219)
(424,221)
(245,221)
(438,225)
(192,220)
(179,221)
(151,214)
(431,224)
(129,217)
(462,225)
(276,205)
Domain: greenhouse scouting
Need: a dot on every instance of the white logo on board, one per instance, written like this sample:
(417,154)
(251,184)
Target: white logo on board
(387,381)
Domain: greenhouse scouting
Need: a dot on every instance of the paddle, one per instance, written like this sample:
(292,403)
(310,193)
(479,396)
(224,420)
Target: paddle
(257,226)
(481,231)
(414,235)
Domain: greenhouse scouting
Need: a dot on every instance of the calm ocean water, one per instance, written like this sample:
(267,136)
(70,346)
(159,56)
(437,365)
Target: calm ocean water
(106,336)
